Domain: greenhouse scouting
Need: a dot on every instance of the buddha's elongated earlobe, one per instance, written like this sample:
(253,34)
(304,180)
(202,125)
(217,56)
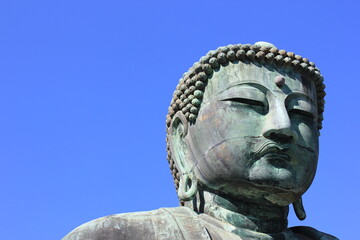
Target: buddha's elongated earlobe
(188,184)
(187,187)
(299,209)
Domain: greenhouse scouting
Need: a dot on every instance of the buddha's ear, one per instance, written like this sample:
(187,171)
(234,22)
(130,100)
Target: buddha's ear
(178,131)
(180,155)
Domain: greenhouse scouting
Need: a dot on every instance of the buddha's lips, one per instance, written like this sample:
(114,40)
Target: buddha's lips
(272,150)
(276,155)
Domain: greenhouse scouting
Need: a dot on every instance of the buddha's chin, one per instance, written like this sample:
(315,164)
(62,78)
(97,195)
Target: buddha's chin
(271,173)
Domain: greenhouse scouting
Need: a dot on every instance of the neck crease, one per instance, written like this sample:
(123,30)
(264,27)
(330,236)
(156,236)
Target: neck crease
(241,214)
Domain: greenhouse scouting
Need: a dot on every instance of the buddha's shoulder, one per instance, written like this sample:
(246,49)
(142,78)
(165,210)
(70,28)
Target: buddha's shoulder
(312,233)
(163,223)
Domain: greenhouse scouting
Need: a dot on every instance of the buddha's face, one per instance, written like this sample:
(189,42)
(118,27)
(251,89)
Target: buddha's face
(256,135)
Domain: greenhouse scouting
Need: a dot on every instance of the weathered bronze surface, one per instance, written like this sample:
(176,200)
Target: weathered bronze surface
(242,139)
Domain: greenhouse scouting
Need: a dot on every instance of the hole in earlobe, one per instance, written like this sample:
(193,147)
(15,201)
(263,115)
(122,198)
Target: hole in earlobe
(187,187)
(188,184)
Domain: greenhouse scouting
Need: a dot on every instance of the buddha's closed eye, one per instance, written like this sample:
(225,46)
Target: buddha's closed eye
(246,101)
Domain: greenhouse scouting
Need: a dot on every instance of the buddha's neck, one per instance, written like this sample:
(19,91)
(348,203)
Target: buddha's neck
(245,215)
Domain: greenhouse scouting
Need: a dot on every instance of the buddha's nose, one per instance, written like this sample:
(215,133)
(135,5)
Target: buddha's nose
(278,126)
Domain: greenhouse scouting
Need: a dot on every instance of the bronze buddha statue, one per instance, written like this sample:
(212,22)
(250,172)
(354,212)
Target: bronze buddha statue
(242,142)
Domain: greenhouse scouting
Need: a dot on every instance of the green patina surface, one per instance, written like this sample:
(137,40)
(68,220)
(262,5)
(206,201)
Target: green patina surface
(242,136)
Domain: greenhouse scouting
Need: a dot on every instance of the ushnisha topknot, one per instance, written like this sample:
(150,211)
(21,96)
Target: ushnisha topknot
(189,92)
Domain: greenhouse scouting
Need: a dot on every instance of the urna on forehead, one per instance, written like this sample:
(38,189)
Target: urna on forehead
(269,77)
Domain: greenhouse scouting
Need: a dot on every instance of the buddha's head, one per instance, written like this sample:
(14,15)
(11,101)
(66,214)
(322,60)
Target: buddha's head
(244,122)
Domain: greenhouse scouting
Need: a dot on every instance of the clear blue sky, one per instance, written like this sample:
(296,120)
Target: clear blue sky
(85,87)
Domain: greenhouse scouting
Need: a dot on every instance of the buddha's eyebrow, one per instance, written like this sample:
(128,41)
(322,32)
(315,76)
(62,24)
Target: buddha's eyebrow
(250,83)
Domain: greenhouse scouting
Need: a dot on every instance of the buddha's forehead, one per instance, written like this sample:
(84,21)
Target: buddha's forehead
(243,73)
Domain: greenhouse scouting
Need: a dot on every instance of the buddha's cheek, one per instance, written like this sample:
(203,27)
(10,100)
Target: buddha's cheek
(305,167)
(306,157)
(225,163)
(308,136)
